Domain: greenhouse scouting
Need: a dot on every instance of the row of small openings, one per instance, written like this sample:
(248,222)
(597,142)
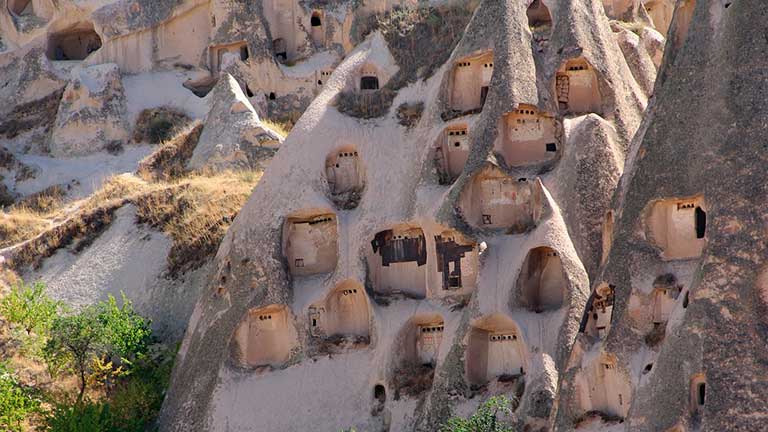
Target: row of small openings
(345,154)
(349,291)
(524,121)
(487,65)
(435,329)
(457,133)
(609,366)
(525,111)
(265,317)
(577,68)
(316,221)
(463,64)
(497,338)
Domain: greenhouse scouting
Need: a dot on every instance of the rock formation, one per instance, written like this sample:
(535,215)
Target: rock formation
(554,200)
(465,251)
(91,113)
(233,135)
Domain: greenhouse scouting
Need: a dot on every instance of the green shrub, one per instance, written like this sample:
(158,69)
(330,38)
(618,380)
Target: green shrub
(80,417)
(124,332)
(16,404)
(136,400)
(29,307)
(494,415)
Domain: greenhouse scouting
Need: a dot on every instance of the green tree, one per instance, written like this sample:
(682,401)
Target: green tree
(494,415)
(87,341)
(29,307)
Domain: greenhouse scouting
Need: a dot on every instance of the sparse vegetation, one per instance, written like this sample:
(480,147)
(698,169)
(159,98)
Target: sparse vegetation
(409,114)
(282,128)
(195,211)
(158,125)
(634,27)
(412,380)
(44,202)
(196,214)
(420,39)
(494,415)
(170,160)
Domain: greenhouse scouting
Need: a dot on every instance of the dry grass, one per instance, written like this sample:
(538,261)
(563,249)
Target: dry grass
(46,202)
(196,214)
(170,160)
(194,211)
(634,27)
(20,224)
(282,128)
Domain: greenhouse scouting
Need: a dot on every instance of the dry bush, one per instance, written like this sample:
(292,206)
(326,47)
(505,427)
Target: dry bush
(655,336)
(170,160)
(409,114)
(157,125)
(412,379)
(46,201)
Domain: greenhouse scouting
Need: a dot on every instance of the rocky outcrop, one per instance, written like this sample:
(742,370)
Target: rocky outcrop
(91,115)
(31,90)
(518,278)
(685,347)
(233,136)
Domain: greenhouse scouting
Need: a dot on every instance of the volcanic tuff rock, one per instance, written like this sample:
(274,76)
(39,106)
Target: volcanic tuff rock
(294,252)
(573,216)
(233,136)
(91,114)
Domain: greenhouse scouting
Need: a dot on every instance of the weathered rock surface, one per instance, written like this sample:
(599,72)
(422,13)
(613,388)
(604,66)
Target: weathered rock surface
(686,344)
(233,136)
(262,274)
(91,115)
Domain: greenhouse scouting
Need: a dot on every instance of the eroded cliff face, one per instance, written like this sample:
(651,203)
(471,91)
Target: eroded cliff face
(554,200)
(687,333)
(387,273)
